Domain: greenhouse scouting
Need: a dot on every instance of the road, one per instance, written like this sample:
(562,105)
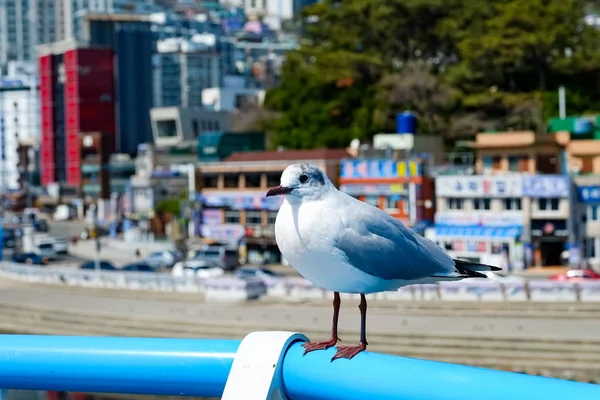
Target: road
(387,321)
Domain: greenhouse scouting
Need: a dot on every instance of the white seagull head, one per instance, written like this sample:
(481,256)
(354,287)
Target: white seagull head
(302,182)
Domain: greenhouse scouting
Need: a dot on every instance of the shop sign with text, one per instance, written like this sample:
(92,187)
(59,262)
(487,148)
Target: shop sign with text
(479,186)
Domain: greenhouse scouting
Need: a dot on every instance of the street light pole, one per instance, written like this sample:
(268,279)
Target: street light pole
(96,238)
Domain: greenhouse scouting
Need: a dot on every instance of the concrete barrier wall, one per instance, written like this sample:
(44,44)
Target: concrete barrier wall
(298,289)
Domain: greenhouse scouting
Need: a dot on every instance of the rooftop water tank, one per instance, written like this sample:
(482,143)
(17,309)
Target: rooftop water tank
(582,126)
(406,122)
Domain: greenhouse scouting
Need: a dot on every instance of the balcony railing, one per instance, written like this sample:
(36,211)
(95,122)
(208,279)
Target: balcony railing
(262,367)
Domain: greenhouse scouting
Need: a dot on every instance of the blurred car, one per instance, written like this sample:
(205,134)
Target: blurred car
(60,244)
(198,268)
(139,267)
(9,238)
(163,259)
(30,258)
(104,265)
(494,276)
(575,275)
(261,273)
(46,250)
(225,258)
(32,216)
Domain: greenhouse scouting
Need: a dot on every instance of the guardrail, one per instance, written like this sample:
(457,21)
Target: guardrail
(263,366)
(295,288)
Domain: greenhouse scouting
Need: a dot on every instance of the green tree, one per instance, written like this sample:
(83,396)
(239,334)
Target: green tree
(480,65)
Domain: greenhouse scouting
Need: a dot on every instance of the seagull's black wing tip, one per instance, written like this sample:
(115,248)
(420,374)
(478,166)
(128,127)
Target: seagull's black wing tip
(473,269)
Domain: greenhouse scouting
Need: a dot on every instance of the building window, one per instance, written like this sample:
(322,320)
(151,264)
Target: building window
(593,213)
(253,181)
(273,179)
(488,163)
(496,248)
(482,204)
(210,181)
(390,203)
(231,180)
(232,217)
(513,163)
(271,217)
(454,203)
(253,218)
(195,128)
(590,248)
(512,204)
(548,204)
(372,200)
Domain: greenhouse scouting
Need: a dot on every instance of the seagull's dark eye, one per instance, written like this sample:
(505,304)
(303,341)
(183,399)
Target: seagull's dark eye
(303,178)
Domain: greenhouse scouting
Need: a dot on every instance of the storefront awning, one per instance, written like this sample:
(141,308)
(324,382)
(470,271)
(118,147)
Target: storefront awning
(478,231)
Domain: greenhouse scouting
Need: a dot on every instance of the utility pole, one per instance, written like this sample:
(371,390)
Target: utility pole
(96,237)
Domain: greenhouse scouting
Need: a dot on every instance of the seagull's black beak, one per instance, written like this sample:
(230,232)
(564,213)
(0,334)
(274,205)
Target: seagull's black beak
(279,190)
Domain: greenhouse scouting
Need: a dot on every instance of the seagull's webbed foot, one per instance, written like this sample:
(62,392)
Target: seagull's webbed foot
(312,346)
(349,351)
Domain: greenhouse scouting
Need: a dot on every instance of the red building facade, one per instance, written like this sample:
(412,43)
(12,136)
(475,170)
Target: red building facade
(77,95)
(48,169)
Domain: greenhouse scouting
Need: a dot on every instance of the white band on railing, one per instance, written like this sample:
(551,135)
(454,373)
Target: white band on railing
(256,370)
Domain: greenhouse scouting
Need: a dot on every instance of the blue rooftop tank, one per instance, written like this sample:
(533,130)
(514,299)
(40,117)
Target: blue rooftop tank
(406,122)
(583,126)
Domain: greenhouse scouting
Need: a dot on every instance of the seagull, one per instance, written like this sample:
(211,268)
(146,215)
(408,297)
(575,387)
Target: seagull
(344,245)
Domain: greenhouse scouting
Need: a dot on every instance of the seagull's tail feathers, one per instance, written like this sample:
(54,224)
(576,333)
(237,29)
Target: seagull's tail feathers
(466,269)
(473,269)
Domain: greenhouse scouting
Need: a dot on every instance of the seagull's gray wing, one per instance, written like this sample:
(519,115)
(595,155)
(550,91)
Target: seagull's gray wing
(382,246)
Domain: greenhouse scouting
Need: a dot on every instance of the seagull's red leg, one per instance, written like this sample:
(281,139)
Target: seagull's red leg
(310,346)
(350,351)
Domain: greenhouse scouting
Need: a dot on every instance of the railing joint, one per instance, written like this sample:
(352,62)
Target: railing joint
(256,371)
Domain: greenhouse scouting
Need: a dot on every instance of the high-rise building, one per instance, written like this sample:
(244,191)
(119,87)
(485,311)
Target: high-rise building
(16,38)
(130,37)
(18,119)
(69,15)
(182,69)
(42,17)
(77,96)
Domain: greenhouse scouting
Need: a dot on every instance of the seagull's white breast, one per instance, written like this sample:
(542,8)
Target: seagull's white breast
(305,234)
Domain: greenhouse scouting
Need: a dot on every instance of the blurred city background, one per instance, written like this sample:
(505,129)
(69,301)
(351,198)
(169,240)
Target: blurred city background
(138,139)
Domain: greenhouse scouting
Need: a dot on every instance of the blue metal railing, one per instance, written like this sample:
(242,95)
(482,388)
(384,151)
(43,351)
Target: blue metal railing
(200,367)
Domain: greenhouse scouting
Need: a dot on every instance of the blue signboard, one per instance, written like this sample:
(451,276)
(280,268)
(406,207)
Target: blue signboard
(379,169)
(589,194)
(241,201)
(545,186)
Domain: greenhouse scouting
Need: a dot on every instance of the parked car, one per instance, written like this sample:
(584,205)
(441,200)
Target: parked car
(46,250)
(496,277)
(163,259)
(9,238)
(139,267)
(225,258)
(30,258)
(252,272)
(198,268)
(104,265)
(60,244)
(575,275)
(32,216)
